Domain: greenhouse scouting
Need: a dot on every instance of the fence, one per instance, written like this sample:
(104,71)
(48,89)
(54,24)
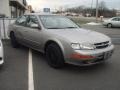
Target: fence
(4,23)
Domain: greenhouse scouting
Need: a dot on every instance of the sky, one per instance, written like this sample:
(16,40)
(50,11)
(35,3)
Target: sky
(57,4)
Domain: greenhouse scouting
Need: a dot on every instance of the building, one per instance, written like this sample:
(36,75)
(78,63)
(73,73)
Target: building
(46,10)
(118,13)
(12,8)
(29,9)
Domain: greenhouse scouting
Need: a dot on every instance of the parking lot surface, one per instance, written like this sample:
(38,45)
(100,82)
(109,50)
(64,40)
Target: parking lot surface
(14,73)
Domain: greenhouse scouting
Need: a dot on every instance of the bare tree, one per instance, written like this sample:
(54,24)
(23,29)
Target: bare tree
(102,5)
(102,8)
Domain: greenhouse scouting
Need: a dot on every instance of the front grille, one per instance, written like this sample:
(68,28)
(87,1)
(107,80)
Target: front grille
(102,45)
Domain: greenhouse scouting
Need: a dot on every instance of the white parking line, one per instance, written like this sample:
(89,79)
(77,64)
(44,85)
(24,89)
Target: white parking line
(30,72)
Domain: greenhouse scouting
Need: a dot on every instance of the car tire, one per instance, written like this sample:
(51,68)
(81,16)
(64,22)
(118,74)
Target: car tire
(54,56)
(109,25)
(14,42)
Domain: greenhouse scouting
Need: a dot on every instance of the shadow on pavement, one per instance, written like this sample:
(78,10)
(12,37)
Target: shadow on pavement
(73,68)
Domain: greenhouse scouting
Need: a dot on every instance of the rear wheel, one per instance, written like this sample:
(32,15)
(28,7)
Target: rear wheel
(109,25)
(54,56)
(14,42)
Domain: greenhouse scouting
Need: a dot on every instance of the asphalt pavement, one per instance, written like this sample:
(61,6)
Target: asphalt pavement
(14,73)
(104,76)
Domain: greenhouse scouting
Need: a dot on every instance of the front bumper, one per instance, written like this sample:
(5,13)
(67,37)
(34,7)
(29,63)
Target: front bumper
(90,57)
(1,55)
(104,23)
(2,62)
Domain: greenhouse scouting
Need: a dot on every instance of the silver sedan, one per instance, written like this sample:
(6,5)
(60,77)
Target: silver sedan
(60,39)
(112,22)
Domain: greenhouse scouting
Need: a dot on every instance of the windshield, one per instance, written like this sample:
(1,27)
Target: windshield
(57,22)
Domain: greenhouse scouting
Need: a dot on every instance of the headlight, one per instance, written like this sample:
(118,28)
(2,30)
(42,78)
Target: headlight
(87,46)
(84,46)
(110,42)
(75,46)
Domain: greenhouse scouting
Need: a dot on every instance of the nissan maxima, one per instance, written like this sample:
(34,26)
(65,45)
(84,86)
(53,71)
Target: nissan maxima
(60,39)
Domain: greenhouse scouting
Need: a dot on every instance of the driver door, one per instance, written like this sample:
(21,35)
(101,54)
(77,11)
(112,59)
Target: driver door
(115,22)
(33,33)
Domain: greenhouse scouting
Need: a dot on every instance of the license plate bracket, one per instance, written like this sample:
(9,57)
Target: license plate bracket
(107,54)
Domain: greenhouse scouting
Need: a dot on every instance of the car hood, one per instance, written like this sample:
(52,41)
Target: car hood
(80,35)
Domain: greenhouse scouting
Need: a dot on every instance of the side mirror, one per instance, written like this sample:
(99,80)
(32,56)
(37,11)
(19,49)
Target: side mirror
(34,25)
(78,24)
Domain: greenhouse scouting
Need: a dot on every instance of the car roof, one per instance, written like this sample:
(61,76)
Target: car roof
(116,17)
(39,14)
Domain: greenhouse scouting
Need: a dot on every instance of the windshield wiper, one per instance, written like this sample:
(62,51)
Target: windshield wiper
(54,28)
(70,27)
(60,28)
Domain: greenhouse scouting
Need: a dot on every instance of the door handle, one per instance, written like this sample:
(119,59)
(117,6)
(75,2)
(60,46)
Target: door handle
(26,31)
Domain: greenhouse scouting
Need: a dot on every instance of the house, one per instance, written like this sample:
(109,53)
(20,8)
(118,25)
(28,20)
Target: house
(12,8)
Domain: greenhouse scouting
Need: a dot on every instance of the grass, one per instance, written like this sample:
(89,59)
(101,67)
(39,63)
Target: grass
(83,20)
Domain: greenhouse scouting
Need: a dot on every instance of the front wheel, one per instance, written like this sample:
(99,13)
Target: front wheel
(109,25)
(54,56)
(14,42)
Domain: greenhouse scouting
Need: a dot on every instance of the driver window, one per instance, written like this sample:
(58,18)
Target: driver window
(119,19)
(115,19)
(32,21)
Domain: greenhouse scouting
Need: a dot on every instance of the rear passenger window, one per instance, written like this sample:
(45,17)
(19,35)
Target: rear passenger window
(21,20)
